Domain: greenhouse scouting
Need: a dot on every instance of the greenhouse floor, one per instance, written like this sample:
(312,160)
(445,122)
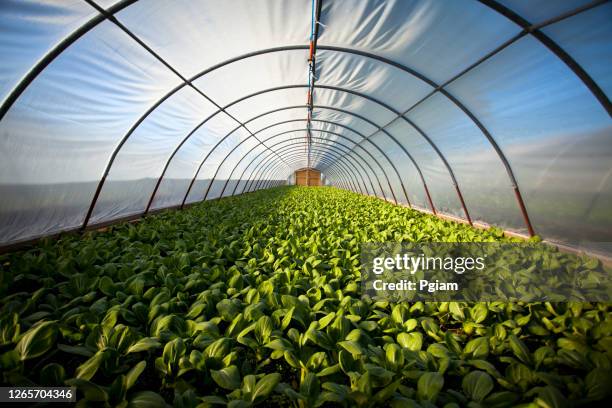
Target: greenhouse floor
(256,299)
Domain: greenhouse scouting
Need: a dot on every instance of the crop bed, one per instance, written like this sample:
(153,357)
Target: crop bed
(256,300)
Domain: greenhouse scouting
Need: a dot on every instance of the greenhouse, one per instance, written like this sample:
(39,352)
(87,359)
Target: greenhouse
(199,201)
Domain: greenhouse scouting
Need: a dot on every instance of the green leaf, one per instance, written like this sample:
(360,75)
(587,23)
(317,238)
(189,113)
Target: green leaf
(291,359)
(477,385)
(315,361)
(263,329)
(287,318)
(383,395)
(394,355)
(118,390)
(352,347)
(106,286)
(347,362)
(89,368)
(37,341)
(218,348)
(429,386)
(147,399)
(411,341)
(456,311)
(91,391)
(9,328)
(520,349)
(239,404)
(410,324)
(598,383)
(265,386)
(478,347)
(329,370)
(310,387)
(212,400)
(479,312)
(144,344)
(132,376)
(502,399)
(228,377)
(173,351)
(326,320)
(228,309)
(551,397)
(280,344)
(485,366)
(78,350)
(52,375)
(452,344)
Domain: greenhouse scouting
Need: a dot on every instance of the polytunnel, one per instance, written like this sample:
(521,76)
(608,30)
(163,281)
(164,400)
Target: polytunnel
(493,112)
(306,203)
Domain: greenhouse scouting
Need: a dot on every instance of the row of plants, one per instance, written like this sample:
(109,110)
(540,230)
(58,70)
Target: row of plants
(255,300)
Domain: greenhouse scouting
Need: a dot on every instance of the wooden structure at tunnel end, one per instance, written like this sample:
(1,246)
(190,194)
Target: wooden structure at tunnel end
(307,176)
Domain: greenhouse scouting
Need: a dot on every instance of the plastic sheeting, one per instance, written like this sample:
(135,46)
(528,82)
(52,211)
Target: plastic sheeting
(422,102)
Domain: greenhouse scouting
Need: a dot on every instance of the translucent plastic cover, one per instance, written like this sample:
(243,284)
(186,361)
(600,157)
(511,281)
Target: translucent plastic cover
(494,112)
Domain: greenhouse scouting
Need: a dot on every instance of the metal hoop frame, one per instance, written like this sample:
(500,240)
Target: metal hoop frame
(527,29)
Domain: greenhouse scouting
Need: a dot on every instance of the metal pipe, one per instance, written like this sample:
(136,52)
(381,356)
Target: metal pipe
(291,155)
(256,172)
(367,164)
(329,122)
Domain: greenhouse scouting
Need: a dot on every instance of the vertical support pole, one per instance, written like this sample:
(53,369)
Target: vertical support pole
(519,198)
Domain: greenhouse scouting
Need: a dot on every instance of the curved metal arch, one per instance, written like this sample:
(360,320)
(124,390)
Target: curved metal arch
(339,89)
(278,173)
(214,148)
(358,156)
(109,13)
(353,158)
(381,129)
(323,159)
(272,163)
(271,146)
(275,168)
(253,134)
(336,147)
(332,176)
(336,124)
(346,184)
(293,151)
(540,36)
(223,109)
(356,165)
(356,144)
(567,59)
(422,133)
(319,157)
(254,147)
(351,176)
(55,52)
(195,129)
(341,182)
(399,115)
(246,183)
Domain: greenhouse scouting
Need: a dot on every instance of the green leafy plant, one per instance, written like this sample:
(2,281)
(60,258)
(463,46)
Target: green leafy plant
(255,300)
